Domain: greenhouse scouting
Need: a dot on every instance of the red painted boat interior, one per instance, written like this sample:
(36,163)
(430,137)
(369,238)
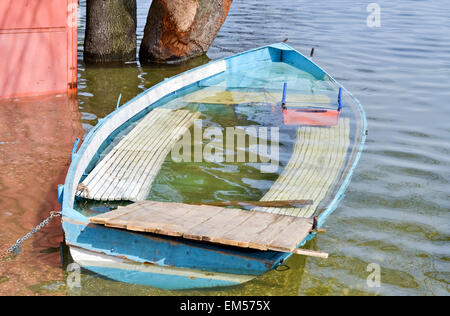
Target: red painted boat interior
(311,117)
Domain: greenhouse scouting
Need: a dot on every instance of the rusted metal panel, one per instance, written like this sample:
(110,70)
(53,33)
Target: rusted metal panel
(38,43)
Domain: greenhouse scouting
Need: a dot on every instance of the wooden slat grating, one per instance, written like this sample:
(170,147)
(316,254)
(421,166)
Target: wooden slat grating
(314,167)
(128,170)
(226,226)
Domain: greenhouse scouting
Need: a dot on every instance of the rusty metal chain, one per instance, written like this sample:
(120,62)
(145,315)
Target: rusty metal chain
(17,247)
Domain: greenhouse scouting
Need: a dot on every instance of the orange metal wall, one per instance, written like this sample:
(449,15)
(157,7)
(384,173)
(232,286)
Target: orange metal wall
(38,47)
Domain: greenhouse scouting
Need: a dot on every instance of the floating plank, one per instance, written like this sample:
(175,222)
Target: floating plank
(285,203)
(226,226)
(315,166)
(128,170)
(310,253)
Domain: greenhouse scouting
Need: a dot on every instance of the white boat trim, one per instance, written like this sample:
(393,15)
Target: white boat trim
(87,259)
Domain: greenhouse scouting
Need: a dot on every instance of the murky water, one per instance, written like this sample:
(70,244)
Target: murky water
(36,137)
(396,210)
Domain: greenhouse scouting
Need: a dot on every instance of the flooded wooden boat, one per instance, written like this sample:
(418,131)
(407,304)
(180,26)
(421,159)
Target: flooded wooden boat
(214,176)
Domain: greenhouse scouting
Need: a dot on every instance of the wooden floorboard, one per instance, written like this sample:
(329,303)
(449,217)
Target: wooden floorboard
(102,218)
(132,151)
(315,165)
(130,142)
(264,237)
(226,226)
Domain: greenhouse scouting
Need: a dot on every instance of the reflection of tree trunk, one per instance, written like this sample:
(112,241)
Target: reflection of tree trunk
(110,31)
(180,29)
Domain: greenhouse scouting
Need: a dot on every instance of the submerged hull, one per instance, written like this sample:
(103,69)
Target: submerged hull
(163,277)
(174,263)
(163,262)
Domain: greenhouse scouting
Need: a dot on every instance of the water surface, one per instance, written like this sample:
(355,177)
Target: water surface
(396,210)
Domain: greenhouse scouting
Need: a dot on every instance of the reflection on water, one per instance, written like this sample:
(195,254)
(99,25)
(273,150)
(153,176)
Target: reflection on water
(396,210)
(36,138)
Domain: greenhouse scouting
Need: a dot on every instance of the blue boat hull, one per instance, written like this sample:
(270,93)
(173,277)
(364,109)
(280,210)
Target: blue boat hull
(162,277)
(161,261)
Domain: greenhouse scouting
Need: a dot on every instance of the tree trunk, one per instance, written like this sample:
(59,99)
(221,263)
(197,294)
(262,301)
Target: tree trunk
(110,31)
(180,29)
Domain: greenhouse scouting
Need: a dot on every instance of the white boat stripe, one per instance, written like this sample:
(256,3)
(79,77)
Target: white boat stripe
(87,258)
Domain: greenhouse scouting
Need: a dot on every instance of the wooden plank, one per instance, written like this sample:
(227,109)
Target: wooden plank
(103,218)
(158,137)
(310,253)
(291,236)
(226,226)
(306,170)
(115,155)
(315,166)
(266,236)
(291,170)
(327,176)
(157,222)
(224,236)
(167,224)
(300,151)
(246,231)
(223,220)
(138,219)
(132,150)
(173,219)
(143,187)
(280,203)
(202,214)
(130,142)
(161,137)
(313,169)
(94,180)
(145,148)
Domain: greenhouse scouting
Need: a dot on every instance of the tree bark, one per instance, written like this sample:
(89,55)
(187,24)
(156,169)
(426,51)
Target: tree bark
(180,29)
(110,31)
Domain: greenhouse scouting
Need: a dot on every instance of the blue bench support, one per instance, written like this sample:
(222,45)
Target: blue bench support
(340,99)
(283,100)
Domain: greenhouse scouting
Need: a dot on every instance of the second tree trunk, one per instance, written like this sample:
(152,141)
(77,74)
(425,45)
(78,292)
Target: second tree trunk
(179,29)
